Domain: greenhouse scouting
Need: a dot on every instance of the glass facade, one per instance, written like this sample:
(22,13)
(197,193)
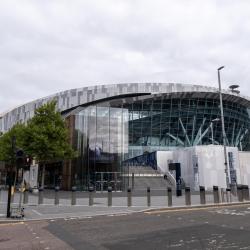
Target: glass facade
(165,123)
(101,138)
(109,133)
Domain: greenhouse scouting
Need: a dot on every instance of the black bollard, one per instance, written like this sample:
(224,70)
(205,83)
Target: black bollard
(240,193)
(129,197)
(148,197)
(229,197)
(187,196)
(245,192)
(26,196)
(91,196)
(202,195)
(222,195)
(216,194)
(178,189)
(73,196)
(40,196)
(57,195)
(109,196)
(170,200)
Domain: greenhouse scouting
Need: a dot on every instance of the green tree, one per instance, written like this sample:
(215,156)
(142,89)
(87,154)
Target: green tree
(6,150)
(7,153)
(47,137)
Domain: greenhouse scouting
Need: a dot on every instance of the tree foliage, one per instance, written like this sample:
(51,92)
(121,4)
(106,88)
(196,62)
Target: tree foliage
(6,150)
(46,135)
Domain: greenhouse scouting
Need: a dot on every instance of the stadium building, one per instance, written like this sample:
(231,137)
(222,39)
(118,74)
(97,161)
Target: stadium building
(119,127)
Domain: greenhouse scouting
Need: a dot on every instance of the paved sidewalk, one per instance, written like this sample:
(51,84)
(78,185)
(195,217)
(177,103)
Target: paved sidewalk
(29,236)
(119,204)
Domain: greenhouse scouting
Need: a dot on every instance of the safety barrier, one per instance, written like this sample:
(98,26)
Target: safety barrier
(202,197)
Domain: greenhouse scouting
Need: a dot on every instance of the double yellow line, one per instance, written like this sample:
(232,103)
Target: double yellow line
(193,209)
(11,223)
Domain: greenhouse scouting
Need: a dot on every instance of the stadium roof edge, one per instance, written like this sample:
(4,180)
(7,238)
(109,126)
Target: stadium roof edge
(97,89)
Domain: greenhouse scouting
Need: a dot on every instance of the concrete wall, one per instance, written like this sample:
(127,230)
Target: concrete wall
(204,165)
(244,162)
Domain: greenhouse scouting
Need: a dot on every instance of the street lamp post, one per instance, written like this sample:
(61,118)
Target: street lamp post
(223,127)
(212,128)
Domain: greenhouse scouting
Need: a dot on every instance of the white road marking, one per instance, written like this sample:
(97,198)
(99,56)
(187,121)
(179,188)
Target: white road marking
(36,212)
(231,212)
(111,215)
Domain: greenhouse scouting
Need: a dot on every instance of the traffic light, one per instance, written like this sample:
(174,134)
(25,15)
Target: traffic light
(19,153)
(19,157)
(23,161)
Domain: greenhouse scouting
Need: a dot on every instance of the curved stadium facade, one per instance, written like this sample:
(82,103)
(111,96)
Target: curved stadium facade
(110,124)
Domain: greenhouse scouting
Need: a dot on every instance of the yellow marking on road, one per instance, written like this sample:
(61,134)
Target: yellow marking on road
(192,209)
(12,223)
(178,210)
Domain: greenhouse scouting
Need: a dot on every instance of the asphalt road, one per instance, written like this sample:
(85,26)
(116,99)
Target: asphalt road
(213,228)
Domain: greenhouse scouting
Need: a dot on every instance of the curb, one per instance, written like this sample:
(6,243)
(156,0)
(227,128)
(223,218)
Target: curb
(148,210)
(73,217)
(181,208)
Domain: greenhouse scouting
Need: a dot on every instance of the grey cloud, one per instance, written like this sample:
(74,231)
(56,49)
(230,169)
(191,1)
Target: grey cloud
(48,46)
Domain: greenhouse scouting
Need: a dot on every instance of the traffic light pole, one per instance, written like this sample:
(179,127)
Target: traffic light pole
(9,194)
(10,177)
(21,190)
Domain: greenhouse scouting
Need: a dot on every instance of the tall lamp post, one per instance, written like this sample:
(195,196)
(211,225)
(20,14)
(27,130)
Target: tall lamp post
(223,127)
(212,128)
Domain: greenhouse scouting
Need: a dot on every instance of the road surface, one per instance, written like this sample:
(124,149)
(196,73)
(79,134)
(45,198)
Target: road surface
(210,228)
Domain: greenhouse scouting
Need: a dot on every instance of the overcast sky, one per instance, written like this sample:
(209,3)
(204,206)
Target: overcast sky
(47,46)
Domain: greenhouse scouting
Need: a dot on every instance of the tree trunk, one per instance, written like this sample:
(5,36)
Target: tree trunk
(43,174)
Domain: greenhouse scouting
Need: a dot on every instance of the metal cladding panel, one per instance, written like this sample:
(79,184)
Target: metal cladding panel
(74,97)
